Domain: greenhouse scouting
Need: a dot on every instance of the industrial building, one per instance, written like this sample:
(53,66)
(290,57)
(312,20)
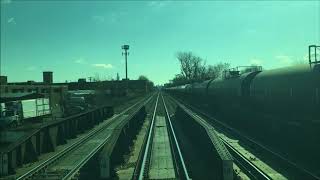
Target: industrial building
(55,92)
(111,87)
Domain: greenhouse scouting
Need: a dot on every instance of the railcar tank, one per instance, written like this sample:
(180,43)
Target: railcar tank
(233,88)
(293,91)
(188,89)
(199,91)
(201,88)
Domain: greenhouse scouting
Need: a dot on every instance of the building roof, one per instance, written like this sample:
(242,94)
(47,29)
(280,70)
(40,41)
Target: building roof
(7,97)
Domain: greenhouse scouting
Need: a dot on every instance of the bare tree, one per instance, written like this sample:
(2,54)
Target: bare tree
(192,66)
(194,69)
(185,59)
(215,71)
(142,77)
(179,79)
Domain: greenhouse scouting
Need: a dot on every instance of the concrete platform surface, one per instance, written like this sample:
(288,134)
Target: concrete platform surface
(161,163)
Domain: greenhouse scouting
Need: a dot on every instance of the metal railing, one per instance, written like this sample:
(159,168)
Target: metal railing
(237,71)
(284,162)
(44,165)
(313,55)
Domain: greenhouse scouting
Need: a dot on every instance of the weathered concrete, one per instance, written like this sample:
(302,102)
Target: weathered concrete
(161,161)
(197,145)
(126,170)
(46,138)
(104,166)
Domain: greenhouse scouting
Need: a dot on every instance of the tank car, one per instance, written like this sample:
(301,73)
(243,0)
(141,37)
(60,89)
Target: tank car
(233,89)
(199,91)
(293,92)
(177,90)
(280,107)
(200,88)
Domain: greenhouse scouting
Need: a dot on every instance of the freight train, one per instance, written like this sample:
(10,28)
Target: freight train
(275,106)
(292,91)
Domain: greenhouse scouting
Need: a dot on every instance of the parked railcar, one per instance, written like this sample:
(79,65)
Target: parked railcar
(232,90)
(279,107)
(264,102)
(188,89)
(201,88)
(290,91)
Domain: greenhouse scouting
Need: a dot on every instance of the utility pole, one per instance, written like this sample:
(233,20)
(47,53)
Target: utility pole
(125,53)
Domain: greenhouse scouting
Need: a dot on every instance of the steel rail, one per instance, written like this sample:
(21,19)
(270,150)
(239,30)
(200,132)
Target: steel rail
(76,168)
(307,173)
(145,155)
(72,172)
(76,144)
(186,175)
(251,170)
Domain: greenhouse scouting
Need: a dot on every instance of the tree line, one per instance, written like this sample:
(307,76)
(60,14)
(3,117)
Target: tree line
(194,69)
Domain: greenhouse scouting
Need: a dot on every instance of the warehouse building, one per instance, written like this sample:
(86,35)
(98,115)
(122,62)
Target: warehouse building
(54,92)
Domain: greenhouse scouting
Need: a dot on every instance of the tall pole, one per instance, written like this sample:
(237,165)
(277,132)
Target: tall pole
(126,64)
(126,53)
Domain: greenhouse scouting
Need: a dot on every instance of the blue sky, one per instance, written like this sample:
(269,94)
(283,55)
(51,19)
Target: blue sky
(78,39)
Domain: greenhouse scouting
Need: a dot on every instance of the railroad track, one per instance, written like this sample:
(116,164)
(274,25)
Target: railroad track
(160,146)
(67,163)
(246,163)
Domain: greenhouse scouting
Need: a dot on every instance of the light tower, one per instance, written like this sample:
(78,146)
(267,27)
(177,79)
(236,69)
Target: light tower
(125,53)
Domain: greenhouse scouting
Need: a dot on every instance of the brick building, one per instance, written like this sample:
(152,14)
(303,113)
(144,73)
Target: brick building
(54,92)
